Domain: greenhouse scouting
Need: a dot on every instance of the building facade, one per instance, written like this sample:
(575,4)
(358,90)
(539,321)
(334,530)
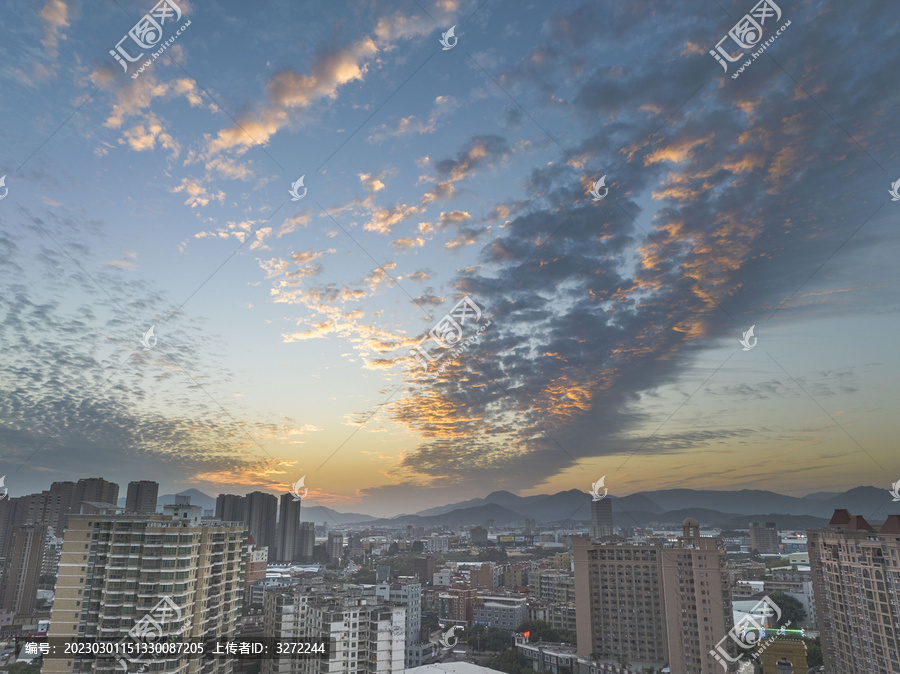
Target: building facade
(654,604)
(856,581)
(764,538)
(141,497)
(119,570)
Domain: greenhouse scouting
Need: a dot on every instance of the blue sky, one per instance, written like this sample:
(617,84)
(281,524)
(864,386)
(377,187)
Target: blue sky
(284,327)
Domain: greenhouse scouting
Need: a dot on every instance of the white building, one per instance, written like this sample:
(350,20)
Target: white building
(407,592)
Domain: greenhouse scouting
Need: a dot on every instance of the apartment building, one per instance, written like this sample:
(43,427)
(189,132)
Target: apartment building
(366,637)
(117,571)
(856,582)
(667,603)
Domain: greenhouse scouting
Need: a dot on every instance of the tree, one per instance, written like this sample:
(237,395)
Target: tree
(492,555)
(418,547)
(394,549)
(510,661)
(814,652)
(792,609)
(542,631)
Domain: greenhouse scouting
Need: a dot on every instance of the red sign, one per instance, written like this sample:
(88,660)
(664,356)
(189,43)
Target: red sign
(526,634)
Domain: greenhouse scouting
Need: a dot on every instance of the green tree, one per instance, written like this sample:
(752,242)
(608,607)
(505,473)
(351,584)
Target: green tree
(492,555)
(418,547)
(792,609)
(814,656)
(543,631)
(510,661)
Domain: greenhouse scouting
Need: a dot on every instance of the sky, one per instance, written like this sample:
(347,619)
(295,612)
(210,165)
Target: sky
(602,209)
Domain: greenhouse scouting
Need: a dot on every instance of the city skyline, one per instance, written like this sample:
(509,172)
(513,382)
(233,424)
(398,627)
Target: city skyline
(179,306)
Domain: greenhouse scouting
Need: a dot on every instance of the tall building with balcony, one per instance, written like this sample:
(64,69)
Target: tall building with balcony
(455,604)
(22,569)
(306,541)
(601,518)
(424,568)
(856,581)
(141,497)
(288,529)
(260,515)
(96,490)
(118,570)
(366,637)
(407,592)
(654,604)
(230,508)
(335,546)
(764,538)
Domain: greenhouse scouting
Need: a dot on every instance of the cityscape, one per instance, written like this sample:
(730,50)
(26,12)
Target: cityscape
(449,337)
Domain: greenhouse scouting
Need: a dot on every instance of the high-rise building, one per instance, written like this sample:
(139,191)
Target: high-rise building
(478,535)
(230,508)
(61,506)
(365,637)
(257,562)
(22,570)
(121,570)
(529,527)
(601,518)
(765,539)
(141,497)
(96,490)
(407,592)
(260,515)
(306,541)
(289,529)
(856,581)
(654,604)
(335,546)
(423,567)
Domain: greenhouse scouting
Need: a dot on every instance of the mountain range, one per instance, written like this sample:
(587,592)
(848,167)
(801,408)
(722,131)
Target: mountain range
(725,509)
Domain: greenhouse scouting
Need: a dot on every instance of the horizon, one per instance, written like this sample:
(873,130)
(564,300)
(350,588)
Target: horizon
(320,242)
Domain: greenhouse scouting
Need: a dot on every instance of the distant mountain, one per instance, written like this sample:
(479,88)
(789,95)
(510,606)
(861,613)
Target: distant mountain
(821,495)
(323,514)
(783,522)
(462,516)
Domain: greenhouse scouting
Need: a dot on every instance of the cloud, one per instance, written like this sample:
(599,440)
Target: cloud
(54,17)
